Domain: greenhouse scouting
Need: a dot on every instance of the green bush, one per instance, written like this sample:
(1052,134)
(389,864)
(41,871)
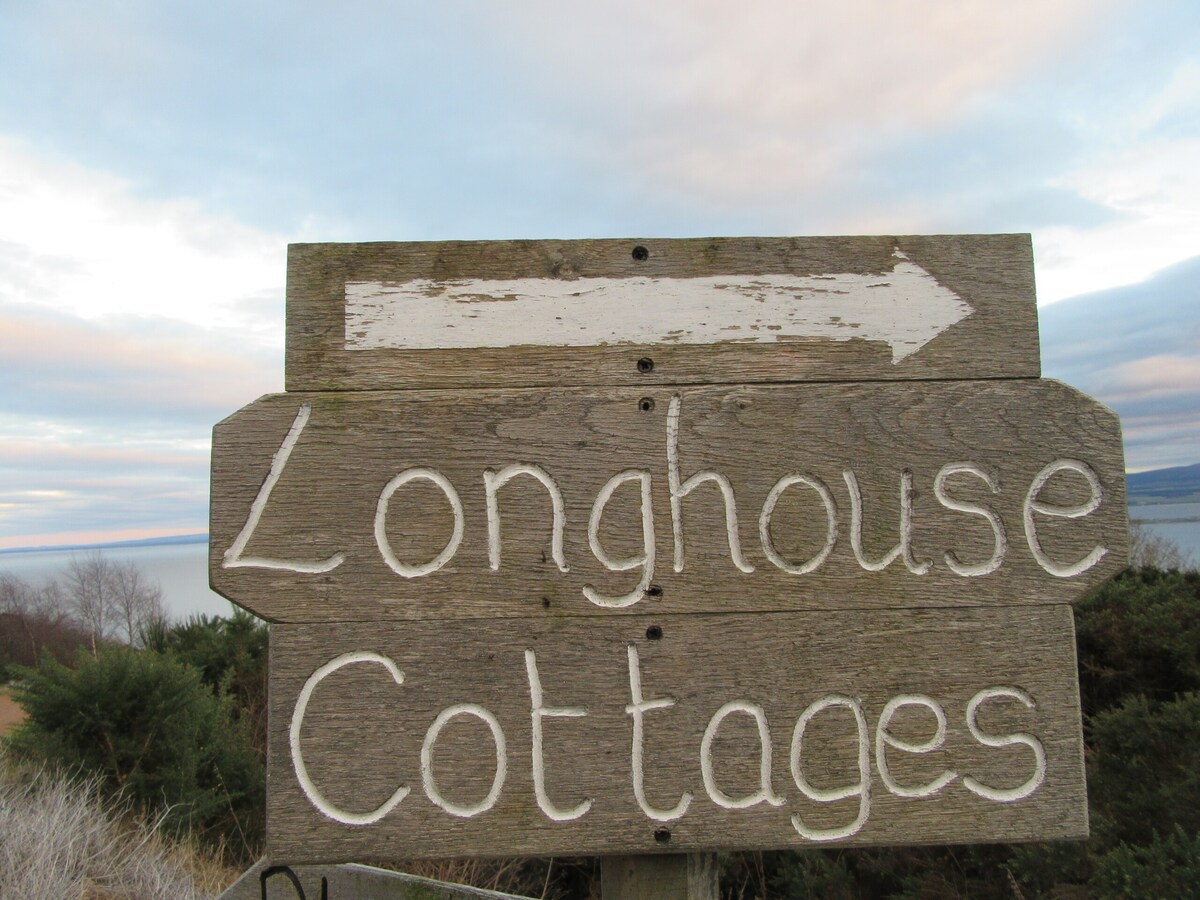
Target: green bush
(1144,768)
(231,655)
(155,734)
(1139,635)
(1164,867)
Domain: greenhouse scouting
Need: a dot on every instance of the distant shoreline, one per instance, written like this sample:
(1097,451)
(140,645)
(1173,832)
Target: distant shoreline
(174,540)
(169,541)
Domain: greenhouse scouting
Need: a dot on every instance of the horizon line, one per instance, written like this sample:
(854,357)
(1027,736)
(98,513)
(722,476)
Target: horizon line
(162,540)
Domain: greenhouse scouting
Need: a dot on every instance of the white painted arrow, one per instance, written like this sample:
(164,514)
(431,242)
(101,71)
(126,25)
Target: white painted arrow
(906,308)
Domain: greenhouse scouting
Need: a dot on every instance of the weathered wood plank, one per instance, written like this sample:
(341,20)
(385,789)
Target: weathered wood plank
(342,506)
(397,740)
(529,313)
(675,876)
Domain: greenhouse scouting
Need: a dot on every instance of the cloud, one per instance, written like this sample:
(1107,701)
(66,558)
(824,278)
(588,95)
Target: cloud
(684,118)
(543,119)
(1154,188)
(744,102)
(99,479)
(128,327)
(131,369)
(1136,349)
(1154,378)
(80,241)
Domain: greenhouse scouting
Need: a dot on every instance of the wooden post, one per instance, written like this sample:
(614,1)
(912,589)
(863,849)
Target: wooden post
(677,876)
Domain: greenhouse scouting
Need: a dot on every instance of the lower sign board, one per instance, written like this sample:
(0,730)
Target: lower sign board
(427,504)
(578,735)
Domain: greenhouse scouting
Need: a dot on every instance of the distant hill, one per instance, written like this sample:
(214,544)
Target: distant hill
(1178,484)
(170,541)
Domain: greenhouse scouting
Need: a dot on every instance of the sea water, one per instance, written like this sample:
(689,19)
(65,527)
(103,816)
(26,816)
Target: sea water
(180,569)
(1178,523)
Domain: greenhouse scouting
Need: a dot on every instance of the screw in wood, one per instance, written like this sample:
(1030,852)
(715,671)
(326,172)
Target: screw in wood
(662,835)
(640,253)
(654,591)
(654,633)
(645,364)
(646,404)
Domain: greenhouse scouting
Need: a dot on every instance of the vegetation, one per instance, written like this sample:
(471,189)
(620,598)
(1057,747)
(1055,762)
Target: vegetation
(1147,549)
(231,656)
(34,621)
(60,837)
(153,733)
(96,601)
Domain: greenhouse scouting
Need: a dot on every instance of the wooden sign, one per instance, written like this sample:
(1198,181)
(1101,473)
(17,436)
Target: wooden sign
(635,547)
(578,736)
(552,313)
(536,503)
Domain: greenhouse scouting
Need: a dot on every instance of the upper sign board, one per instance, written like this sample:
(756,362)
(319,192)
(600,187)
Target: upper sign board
(545,313)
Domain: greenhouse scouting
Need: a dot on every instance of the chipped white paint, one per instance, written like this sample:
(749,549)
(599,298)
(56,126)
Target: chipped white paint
(906,308)
(768,510)
(1033,505)
(493,481)
(764,794)
(903,547)
(999,535)
(1008,777)
(381,511)
(950,476)
(645,560)
(681,490)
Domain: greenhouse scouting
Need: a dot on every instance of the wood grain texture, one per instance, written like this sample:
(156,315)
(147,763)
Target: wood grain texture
(992,274)
(676,876)
(1003,678)
(894,440)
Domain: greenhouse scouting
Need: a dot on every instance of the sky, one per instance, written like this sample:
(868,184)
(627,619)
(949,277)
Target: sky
(157,157)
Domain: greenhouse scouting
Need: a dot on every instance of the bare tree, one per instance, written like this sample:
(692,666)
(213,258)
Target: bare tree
(34,618)
(17,606)
(112,599)
(89,587)
(1149,549)
(137,601)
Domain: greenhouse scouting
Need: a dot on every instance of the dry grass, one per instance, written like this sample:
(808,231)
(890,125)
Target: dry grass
(59,838)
